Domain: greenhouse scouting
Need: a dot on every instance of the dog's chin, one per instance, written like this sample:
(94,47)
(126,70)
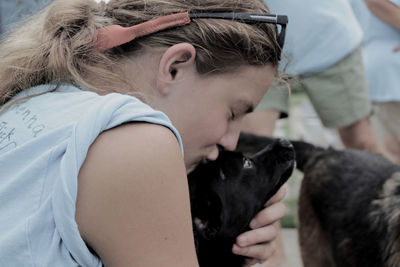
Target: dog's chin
(285,172)
(288,170)
(287,165)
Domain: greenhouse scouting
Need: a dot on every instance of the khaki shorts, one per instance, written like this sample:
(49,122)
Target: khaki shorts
(339,94)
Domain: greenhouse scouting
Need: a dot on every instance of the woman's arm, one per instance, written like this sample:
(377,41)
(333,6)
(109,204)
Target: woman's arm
(385,11)
(133,200)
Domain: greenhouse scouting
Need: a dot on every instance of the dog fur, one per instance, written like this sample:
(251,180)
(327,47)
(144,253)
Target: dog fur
(349,206)
(227,193)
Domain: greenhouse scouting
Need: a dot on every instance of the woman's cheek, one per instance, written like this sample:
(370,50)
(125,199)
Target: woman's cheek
(219,131)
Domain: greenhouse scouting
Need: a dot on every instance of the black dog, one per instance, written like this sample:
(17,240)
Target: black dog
(227,193)
(349,206)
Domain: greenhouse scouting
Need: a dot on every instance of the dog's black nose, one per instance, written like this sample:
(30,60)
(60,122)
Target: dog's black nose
(284,149)
(285,143)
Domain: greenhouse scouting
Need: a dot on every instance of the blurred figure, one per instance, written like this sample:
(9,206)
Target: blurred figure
(323,55)
(323,48)
(380,20)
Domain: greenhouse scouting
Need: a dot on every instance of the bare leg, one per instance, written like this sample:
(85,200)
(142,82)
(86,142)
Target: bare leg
(261,122)
(392,146)
(386,122)
(361,135)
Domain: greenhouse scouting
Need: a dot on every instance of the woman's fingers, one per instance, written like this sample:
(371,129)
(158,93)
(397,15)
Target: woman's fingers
(269,215)
(259,253)
(261,235)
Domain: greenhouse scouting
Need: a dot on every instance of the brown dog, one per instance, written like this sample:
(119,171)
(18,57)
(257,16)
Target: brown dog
(349,206)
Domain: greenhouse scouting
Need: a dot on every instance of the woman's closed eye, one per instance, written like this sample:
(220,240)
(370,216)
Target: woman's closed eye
(233,116)
(240,110)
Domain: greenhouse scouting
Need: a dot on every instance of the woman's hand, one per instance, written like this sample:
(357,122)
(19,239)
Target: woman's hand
(259,244)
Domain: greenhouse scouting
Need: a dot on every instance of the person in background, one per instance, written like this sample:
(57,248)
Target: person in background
(105,108)
(13,11)
(322,54)
(380,21)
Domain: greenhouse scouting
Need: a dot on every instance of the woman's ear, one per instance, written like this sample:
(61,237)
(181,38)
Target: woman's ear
(176,62)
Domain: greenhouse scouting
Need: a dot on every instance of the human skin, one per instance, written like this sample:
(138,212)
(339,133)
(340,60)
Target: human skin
(387,12)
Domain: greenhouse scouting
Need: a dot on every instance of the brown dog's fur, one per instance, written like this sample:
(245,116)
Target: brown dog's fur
(349,206)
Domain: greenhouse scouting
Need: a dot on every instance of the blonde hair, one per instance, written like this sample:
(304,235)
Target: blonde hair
(57,45)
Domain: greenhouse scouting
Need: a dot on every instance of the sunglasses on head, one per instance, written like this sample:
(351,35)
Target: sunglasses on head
(250,18)
(116,35)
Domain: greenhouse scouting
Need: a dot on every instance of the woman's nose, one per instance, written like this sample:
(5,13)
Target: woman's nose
(213,155)
(230,139)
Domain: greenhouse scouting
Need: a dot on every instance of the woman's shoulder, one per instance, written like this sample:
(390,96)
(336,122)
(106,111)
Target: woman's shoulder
(132,189)
(130,145)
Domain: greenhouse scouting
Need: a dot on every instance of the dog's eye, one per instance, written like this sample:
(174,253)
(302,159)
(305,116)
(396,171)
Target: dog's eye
(247,164)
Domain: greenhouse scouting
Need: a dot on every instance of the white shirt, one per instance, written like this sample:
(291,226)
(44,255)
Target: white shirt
(319,34)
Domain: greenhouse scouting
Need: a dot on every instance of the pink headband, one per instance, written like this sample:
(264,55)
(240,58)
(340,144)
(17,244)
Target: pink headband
(116,35)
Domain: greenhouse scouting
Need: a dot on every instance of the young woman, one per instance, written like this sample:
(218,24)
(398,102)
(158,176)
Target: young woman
(95,119)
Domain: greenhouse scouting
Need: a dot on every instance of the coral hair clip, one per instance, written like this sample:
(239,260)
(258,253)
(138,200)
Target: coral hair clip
(116,35)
